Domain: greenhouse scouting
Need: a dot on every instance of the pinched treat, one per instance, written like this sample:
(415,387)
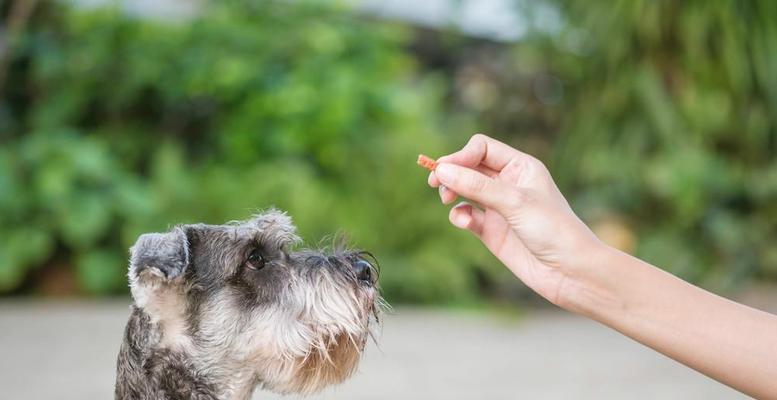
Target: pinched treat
(427,162)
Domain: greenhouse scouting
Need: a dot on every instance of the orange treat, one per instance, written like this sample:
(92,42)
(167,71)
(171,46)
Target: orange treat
(427,162)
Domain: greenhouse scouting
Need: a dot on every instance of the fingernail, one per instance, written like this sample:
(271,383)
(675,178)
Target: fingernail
(462,220)
(445,173)
(442,189)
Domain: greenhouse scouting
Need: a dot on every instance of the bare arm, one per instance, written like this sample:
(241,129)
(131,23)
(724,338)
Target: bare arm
(524,220)
(725,340)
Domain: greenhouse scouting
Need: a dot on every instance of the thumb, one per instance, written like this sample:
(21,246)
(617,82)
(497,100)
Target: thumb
(489,192)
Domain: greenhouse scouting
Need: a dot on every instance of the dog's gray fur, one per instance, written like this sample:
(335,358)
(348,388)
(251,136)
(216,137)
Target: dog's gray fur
(204,325)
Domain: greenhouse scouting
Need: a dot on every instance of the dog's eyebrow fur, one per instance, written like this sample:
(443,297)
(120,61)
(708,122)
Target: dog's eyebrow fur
(271,228)
(275,229)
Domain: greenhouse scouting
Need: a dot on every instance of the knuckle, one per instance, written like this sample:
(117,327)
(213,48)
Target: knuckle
(478,145)
(528,167)
(478,137)
(478,141)
(534,164)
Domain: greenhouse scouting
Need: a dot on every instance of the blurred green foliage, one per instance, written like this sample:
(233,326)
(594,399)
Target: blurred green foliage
(668,123)
(658,119)
(117,126)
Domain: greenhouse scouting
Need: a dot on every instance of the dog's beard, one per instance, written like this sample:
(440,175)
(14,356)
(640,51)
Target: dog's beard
(311,338)
(321,367)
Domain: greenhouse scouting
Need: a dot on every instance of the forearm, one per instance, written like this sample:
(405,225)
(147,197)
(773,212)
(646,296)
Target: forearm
(729,342)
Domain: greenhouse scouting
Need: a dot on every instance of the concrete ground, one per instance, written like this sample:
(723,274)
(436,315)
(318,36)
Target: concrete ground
(67,350)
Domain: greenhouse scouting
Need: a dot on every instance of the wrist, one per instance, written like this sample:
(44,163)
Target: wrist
(592,283)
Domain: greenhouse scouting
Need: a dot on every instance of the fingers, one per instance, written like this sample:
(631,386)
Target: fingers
(483,150)
(488,172)
(483,154)
(434,182)
(447,196)
(487,191)
(465,216)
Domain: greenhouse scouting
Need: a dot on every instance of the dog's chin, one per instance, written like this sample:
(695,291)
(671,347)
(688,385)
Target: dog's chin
(334,352)
(322,367)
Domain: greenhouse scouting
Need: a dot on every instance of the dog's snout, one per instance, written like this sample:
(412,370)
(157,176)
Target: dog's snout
(363,271)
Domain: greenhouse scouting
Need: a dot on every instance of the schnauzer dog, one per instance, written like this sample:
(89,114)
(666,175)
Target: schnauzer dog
(221,309)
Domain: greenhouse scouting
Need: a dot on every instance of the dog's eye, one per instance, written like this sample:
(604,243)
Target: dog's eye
(255,260)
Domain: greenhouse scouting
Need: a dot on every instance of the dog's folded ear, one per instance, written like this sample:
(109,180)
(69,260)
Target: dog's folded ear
(161,256)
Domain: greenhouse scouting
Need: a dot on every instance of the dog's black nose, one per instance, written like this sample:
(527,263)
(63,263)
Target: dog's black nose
(363,271)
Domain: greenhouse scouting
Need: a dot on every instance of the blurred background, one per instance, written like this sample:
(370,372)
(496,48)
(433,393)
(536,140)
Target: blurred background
(658,120)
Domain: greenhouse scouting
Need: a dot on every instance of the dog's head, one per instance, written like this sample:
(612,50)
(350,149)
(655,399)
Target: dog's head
(239,299)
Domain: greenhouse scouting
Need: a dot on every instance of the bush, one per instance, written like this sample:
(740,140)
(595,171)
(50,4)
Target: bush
(120,126)
(659,118)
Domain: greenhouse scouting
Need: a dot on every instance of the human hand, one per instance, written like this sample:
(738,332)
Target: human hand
(520,216)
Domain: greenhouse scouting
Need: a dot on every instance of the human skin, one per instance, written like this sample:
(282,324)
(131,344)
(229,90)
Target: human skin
(523,219)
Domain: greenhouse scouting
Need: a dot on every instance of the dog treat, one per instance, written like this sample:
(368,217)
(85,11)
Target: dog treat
(427,162)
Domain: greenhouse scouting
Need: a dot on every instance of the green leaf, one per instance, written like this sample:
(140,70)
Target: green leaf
(102,271)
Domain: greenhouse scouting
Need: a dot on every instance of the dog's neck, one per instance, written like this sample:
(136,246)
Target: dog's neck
(149,368)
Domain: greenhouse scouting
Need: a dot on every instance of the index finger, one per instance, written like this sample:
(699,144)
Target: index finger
(484,150)
(434,182)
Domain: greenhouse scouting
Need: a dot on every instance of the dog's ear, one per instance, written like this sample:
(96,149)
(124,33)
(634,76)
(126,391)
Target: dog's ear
(159,257)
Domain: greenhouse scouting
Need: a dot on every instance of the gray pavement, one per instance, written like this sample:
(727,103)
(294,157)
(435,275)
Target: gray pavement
(67,350)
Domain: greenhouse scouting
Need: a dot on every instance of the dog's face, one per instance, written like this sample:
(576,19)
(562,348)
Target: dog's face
(241,302)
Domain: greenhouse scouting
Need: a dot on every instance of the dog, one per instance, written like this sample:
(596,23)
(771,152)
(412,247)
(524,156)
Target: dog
(222,309)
